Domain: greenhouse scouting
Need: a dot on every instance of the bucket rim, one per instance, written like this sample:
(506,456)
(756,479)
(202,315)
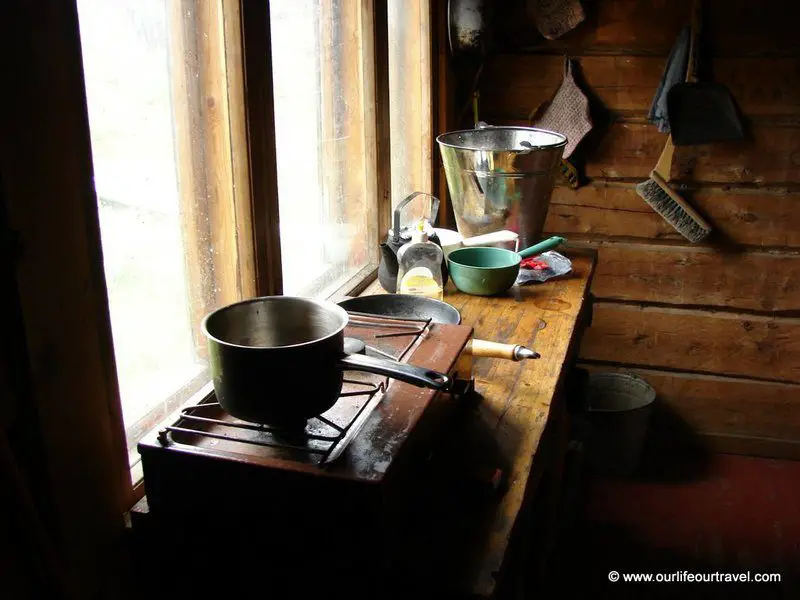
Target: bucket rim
(559,144)
(647,394)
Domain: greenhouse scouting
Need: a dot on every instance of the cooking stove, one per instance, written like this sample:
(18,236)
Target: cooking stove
(359,478)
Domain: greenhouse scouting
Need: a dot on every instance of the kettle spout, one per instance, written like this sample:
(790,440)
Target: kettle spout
(387,270)
(388,257)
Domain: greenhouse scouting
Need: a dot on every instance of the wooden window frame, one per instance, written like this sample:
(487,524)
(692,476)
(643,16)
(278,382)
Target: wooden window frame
(233,95)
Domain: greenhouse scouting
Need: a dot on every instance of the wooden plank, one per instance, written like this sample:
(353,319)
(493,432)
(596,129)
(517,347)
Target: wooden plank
(260,116)
(752,446)
(206,76)
(735,27)
(240,165)
(214,138)
(443,87)
(761,217)
(630,150)
(186,112)
(720,343)
(731,406)
(378,104)
(696,275)
(770,155)
(512,85)
(632,25)
(519,398)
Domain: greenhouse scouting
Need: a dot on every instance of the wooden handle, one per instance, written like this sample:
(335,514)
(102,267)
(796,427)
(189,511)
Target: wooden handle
(664,165)
(488,349)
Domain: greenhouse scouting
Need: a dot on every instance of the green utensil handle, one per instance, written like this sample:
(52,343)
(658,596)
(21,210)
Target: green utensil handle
(544,246)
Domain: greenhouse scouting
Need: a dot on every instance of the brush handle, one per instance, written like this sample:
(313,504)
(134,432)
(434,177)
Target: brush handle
(664,164)
(678,200)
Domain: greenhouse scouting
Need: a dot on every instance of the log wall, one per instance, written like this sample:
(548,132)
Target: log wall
(714,327)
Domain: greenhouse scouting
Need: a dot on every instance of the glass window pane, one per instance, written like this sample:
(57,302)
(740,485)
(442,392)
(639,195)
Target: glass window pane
(410,102)
(157,227)
(326,197)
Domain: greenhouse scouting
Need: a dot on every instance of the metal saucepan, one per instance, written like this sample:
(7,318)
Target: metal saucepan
(404,306)
(278,360)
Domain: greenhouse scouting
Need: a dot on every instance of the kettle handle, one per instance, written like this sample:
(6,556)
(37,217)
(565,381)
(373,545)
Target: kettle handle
(402,204)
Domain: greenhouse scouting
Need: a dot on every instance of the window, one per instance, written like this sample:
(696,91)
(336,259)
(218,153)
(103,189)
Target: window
(325,143)
(410,100)
(175,91)
(161,99)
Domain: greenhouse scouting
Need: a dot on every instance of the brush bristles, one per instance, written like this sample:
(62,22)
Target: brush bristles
(672,212)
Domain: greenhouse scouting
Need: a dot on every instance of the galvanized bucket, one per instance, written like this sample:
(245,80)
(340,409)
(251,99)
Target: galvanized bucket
(620,405)
(501,178)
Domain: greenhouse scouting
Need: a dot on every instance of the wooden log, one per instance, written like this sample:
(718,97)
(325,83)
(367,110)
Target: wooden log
(763,217)
(696,275)
(695,340)
(630,150)
(752,446)
(735,27)
(513,85)
(724,405)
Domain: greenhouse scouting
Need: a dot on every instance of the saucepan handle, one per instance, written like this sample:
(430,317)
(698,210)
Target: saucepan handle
(418,376)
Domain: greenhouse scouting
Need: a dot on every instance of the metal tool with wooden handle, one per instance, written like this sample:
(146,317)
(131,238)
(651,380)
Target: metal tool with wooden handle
(488,349)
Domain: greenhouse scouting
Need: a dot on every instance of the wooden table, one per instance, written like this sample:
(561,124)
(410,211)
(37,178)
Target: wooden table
(522,404)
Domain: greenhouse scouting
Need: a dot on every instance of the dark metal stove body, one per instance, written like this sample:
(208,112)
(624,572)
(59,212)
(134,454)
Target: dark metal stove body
(279,504)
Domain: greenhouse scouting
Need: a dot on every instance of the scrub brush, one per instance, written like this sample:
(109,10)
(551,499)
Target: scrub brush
(668,203)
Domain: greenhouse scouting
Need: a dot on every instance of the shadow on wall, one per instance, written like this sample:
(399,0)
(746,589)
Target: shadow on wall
(673,451)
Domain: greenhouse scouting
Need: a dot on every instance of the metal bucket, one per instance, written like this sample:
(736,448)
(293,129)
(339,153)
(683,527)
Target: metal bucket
(501,178)
(620,405)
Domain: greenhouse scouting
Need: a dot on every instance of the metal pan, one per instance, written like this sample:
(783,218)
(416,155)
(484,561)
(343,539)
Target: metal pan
(279,360)
(402,306)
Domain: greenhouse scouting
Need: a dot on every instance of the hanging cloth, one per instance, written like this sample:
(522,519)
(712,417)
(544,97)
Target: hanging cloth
(568,112)
(674,72)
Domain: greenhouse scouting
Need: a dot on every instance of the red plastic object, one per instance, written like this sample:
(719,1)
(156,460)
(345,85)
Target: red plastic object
(537,264)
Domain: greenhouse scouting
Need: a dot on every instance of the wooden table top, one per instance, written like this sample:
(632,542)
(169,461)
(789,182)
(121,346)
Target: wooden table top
(517,397)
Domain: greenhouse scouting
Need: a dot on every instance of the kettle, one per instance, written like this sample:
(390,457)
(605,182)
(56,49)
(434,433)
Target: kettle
(398,236)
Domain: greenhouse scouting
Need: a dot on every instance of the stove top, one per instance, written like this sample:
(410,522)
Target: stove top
(358,499)
(359,438)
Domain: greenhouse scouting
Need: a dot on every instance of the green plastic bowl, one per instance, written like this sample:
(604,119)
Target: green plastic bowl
(483,271)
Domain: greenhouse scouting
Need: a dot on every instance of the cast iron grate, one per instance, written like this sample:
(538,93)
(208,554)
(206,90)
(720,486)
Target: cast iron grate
(323,437)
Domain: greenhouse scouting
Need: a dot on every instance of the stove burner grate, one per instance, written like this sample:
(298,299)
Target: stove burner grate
(321,437)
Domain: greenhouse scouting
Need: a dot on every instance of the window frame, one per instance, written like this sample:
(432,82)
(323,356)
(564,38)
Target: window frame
(255,210)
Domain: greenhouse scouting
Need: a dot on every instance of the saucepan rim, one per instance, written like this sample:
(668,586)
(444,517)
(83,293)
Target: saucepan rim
(324,304)
(482,249)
